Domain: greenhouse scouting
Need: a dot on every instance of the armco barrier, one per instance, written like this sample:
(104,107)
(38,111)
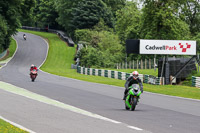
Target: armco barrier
(93,71)
(127,75)
(152,80)
(61,34)
(88,71)
(83,70)
(3,54)
(106,73)
(109,73)
(196,81)
(99,72)
(112,74)
(96,72)
(121,75)
(116,74)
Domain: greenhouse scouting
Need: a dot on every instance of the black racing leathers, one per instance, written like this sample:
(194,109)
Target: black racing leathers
(131,81)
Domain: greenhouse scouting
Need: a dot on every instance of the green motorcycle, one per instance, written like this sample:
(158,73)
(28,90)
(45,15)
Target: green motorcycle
(132,97)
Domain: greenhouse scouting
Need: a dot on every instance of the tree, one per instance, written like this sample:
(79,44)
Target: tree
(64,9)
(128,21)
(160,21)
(10,18)
(115,4)
(197,38)
(190,13)
(47,14)
(90,57)
(103,48)
(10,13)
(89,12)
(3,33)
(27,17)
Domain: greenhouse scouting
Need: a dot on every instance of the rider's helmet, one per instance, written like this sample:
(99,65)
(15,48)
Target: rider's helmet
(32,66)
(135,75)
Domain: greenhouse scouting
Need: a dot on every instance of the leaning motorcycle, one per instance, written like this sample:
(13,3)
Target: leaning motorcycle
(33,75)
(132,97)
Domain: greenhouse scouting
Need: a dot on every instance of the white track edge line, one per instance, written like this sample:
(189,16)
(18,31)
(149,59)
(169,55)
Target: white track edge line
(135,128)
(17,125)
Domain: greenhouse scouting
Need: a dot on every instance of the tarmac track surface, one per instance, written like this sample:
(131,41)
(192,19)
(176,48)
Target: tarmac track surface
(154,113)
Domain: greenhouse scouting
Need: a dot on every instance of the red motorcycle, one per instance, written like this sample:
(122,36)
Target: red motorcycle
(33,75)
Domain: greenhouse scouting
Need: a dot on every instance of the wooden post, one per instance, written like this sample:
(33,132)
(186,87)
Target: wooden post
(149,63)
(145,63)
(137,64)
(154,62)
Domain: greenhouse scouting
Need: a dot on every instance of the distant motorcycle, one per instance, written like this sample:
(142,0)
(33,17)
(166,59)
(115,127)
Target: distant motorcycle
(33,75)
(24,36)
(132,97)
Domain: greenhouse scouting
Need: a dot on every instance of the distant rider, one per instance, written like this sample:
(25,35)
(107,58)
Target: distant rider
(24,36)
(33,67)
(132,80)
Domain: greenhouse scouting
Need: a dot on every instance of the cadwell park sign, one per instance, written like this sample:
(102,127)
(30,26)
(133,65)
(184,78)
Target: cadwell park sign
(167,47)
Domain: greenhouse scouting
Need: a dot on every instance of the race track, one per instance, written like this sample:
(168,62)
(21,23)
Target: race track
(101,106)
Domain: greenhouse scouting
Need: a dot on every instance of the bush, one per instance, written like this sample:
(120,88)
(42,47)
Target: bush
(188,81)
(103,49)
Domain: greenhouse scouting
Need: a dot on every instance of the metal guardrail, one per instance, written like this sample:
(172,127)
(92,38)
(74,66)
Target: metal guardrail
(61,34)
(196,81)
(3,54)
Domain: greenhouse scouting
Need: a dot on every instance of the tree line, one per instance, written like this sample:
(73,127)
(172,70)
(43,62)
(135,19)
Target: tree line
(11,12)
(103,26)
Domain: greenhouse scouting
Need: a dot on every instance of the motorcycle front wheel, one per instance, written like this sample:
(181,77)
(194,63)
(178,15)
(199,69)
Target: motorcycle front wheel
(33,78)
(133,103)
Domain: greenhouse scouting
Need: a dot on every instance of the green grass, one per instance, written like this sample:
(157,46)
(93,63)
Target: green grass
(12,49)
(5,127)
(61,56)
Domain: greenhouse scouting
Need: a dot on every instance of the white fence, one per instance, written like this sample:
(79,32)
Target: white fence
(137,64)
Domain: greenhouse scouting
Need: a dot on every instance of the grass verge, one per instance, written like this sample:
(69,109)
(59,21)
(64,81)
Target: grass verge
(5,127)
(11,49)
(59,61)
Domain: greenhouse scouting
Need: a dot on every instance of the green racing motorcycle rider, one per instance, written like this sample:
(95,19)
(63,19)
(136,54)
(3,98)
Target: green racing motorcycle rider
(132,80)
